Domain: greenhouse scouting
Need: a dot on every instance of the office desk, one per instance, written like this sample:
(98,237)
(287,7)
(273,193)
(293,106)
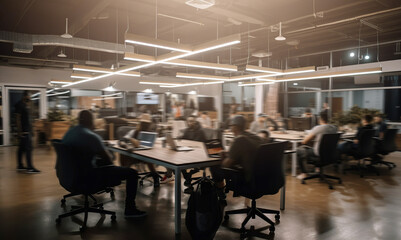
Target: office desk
(174,160)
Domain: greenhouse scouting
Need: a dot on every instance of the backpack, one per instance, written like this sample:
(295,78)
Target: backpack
(204,213)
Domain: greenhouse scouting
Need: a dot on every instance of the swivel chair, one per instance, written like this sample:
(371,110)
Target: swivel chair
(384,147)
(266,179)
(74,178)
(328,154)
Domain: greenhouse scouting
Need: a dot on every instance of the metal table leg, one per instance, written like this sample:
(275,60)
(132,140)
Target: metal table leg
(177,201)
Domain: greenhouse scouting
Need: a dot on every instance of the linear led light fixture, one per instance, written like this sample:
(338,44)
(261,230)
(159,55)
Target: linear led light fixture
(191,84)
(333,74)
(222,42)
(80,75)
(105,98)
(253,68)
(157,43)
(139,57)
(252,76)
(201,76)
(103,70)
(159,83)
(60,82)
(111,95)
(59,93)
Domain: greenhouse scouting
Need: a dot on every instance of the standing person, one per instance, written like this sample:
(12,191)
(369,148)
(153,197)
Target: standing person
(304,152)
(326,108)
(83,137)
(24,131)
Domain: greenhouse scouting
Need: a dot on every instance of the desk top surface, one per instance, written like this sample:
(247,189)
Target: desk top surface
(198,155)
(294,135)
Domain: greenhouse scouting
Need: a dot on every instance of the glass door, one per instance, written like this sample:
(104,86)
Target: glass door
(29,97)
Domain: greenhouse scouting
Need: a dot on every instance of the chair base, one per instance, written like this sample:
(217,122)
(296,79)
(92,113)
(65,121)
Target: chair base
(252,212)
(378,160)
(148,175)
(107,190)
(362,167)
(96,208)
(323,177)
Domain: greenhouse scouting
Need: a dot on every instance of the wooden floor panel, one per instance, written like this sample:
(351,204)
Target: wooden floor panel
(360,208)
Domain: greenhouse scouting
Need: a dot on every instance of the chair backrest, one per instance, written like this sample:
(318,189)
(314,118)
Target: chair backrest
(388,145)
(366,144)
(328,152)
(70,169)
(268,173)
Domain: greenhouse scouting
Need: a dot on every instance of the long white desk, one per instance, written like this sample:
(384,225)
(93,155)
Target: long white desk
(174,160)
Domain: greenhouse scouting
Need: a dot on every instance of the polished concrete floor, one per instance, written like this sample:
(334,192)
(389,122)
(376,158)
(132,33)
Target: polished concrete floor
(360,208)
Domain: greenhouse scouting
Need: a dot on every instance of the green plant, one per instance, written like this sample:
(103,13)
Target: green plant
(353,116)
(55,115)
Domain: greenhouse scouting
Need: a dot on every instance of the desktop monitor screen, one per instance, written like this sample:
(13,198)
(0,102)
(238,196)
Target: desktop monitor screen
(147,98)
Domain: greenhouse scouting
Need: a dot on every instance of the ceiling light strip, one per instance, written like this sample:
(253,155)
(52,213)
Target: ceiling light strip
(198,64)
(157,43)
(254,84)
(159,83)
(192,84)
(253,68)
(229,40)
(103,70)
(80,75)
(201,76)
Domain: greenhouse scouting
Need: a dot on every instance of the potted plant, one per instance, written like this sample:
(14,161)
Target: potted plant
(57,124)
(352,118)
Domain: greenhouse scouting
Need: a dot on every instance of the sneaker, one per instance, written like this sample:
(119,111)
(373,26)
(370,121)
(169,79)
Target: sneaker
(21,168)
(32,170)
(134,213)
(302,176)
(166,179)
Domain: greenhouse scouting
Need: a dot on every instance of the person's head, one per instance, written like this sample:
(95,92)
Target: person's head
(204,115)
(323,118)
(264,134)
(367,119)
(25,96)
(191,121)
(85,119)
(261,117)
(238,124)
(378,118)
(325,105)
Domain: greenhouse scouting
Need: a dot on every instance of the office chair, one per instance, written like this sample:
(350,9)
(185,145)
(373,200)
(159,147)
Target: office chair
(328,154)
(384,147)
(364,151)
(267,179)
(77,181)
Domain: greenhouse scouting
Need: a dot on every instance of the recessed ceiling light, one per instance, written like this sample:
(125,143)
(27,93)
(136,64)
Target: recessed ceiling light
(352,54)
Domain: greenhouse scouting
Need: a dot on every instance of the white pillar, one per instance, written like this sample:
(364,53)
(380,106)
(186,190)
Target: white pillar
(258,100)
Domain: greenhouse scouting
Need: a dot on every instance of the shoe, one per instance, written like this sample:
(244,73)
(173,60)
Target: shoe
(166,179)
(189,190)
(21,168)
(302,176)
(187,183)
(32,170)
(134,213)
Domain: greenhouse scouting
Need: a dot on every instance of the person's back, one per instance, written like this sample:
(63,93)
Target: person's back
(319,131)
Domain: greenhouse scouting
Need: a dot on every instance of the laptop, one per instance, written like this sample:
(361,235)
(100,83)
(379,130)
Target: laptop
(213,148)
(146,140)
(171,142)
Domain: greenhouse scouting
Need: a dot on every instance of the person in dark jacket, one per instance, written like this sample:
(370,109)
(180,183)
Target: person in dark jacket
(193,131)
(348,147)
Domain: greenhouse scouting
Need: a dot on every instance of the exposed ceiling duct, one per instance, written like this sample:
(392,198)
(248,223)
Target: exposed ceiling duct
(24,43)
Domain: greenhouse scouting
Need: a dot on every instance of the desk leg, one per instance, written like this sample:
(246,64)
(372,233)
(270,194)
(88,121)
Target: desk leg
(177,201)
(294,160)
(282,198)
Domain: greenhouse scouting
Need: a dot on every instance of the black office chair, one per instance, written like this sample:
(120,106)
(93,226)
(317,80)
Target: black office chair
(74,179)
(384,147)
(328,154)
(365,150)
(267,178)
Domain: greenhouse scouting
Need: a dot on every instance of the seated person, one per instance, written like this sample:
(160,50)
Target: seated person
(348,147)
(305,153)
(265,136)
(82,136)
(226,124)
(145,124)
(241,153)
(204,120)
(258,124)
(380,126)
(271,124)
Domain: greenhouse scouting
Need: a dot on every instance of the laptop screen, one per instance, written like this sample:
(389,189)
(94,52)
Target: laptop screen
(213,147)
(147,138)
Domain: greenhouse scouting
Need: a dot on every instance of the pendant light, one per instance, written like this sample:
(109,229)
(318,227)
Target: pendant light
(66,34)
(280,37)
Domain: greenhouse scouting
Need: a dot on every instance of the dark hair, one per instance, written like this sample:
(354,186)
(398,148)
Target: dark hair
(266,133)
(25,93)
(205,113)
(308,110)
(85,118)
(324,117)
(368,118)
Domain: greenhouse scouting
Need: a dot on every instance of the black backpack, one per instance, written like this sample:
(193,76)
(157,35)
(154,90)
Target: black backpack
(204,212)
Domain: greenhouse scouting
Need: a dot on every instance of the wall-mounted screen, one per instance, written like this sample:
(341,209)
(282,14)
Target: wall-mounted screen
(206,103)
(147,98)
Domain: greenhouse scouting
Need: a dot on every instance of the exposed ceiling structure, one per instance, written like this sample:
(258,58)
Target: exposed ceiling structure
(98,28)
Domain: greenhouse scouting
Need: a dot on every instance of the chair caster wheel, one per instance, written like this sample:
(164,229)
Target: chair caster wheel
(82,229)
(303,182)
(113,218)
(243,233)
(58,220)
(112,194)
(226,217)
(277,217)
(101,208)
(141,183)
(331,187)
(62,201)
(272,229)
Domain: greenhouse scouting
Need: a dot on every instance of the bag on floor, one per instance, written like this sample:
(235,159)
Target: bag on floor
(204,212)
